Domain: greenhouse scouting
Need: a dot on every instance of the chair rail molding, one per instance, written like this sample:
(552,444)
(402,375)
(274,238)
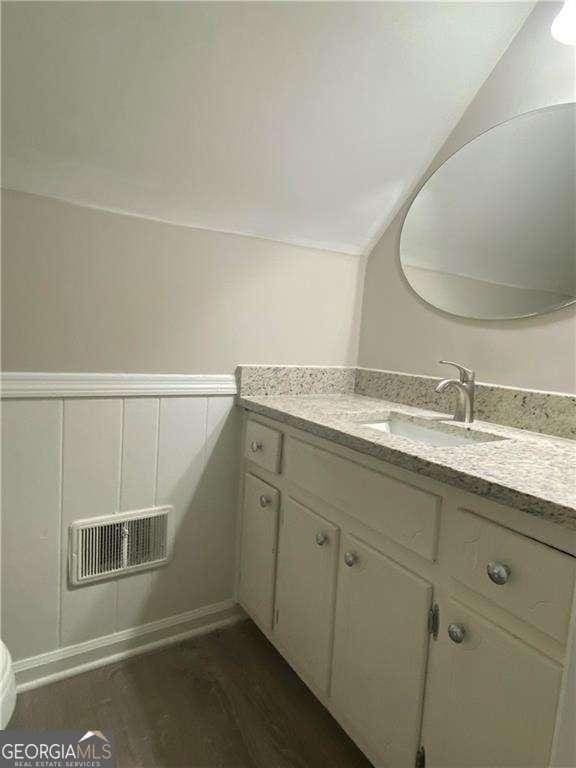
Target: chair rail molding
(18,385)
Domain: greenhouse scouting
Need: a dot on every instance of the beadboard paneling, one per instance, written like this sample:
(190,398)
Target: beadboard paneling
(91,487)
(216,500)
(137,491)
(31,489)
(181,458)
(139,453)
(73,458)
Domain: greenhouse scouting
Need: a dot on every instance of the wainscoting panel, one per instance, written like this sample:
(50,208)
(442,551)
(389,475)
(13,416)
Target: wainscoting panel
(218,490)
(91,487)
(31,493)
(138,491)
(139,453)
(78,457)
(181,459)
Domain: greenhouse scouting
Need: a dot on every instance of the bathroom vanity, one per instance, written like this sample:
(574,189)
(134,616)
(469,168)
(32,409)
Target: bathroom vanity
(428,607)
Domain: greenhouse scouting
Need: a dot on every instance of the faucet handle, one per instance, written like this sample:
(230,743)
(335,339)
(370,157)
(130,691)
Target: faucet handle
(466,374)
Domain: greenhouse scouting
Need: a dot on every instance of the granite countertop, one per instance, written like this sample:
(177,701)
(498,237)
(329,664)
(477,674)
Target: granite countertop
(531,472)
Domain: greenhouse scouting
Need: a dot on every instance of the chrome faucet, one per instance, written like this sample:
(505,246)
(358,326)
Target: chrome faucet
(464,386)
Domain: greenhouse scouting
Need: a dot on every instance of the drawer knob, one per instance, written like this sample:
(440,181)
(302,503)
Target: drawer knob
(321,538)
(456,633)
(256,446)
(350,558)
(265,501)
(498,572)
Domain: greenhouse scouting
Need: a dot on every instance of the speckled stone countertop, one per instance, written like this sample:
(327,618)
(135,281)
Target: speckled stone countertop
(531,472)
(550,413)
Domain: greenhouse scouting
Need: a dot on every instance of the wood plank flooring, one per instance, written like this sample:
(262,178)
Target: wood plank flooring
(224,700)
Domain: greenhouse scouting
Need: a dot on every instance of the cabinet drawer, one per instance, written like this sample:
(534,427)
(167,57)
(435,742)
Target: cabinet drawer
(404,513)
(538,580)
(263,446)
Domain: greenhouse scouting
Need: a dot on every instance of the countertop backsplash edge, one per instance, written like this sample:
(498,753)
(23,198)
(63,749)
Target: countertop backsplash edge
(548,413)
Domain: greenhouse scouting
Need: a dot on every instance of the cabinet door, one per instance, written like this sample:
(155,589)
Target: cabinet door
(258,549)
(380,653)
(491,700)
(307,560)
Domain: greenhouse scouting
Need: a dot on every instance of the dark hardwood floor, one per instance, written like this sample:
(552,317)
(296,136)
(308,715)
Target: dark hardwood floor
(222,700)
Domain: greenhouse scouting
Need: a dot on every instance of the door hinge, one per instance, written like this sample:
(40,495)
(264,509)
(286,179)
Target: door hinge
(420,761)
(434,621)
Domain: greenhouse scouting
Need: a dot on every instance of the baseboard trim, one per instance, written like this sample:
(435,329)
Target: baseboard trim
(45,385)
(72,660)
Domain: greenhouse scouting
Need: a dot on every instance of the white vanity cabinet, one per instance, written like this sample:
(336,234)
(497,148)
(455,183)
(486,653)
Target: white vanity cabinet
(380,651)
(258,556)
(305,590)
(433,624)
(491,698)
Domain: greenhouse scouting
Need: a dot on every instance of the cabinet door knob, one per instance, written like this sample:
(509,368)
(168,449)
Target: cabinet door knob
(255,446)
(498,572)
(350,558)
(321,538)
(456,633)
(265,501)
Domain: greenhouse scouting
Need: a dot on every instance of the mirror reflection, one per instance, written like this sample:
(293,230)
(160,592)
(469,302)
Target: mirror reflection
(491,235)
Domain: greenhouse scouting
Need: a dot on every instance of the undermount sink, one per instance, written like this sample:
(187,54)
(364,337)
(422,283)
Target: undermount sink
(431,435)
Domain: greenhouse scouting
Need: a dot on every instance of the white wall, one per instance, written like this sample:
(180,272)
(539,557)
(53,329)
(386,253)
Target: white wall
(89,290)
(401,332)
(73,458)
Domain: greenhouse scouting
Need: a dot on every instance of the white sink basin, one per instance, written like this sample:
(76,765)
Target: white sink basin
(430,435)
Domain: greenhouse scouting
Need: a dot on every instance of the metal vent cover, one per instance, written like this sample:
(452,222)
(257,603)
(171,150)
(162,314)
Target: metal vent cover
(102,547)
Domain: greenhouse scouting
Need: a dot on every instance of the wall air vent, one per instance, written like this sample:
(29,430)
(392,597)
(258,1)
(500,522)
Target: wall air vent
(102,547)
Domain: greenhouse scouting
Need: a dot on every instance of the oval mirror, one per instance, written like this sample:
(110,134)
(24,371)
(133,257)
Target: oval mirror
(491,234)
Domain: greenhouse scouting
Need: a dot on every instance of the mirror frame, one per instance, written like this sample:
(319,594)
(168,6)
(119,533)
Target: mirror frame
(414,195)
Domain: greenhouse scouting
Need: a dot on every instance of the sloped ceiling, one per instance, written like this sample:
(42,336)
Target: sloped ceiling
(301,122)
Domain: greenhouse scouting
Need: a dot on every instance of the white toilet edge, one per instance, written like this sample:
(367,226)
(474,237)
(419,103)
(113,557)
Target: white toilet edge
(7,687)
